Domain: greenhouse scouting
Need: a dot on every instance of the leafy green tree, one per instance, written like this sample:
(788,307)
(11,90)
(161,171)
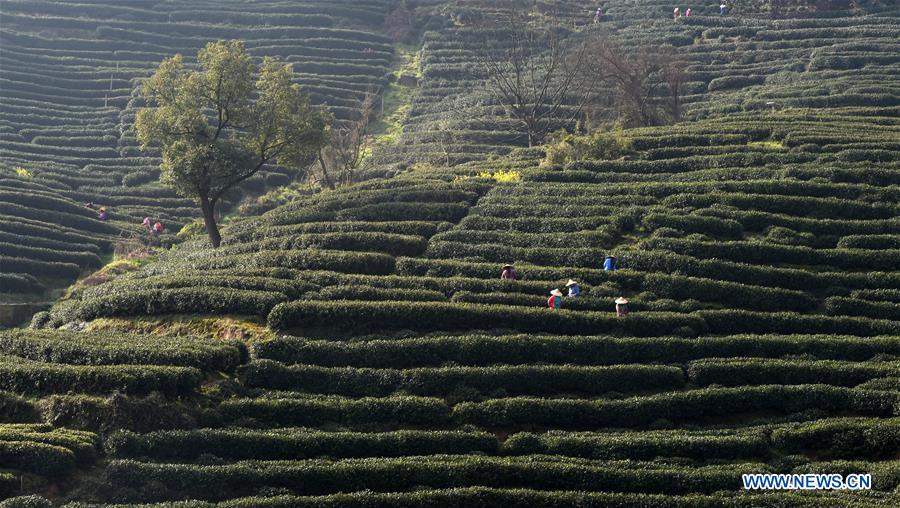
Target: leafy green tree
(217,127)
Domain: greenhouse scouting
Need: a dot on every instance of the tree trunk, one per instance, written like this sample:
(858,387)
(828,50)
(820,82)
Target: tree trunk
(212,229)
(325,176)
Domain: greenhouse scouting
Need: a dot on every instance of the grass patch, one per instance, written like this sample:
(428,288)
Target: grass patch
(117,265)
(247,329)
(767,145)
(388,127)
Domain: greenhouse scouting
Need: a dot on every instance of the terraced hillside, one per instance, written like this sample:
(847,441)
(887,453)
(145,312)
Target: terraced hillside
(357,347)
(71,76)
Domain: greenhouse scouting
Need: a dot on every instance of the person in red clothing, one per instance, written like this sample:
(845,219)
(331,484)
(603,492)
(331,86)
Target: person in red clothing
(508,273)
(555,300)
(158,228)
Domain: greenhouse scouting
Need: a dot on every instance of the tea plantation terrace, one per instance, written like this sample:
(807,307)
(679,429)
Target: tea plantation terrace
(731,64)
(357,347)
(70,92)
(389,397)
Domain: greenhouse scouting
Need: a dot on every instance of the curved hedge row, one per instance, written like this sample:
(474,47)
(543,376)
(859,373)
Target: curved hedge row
(393,474)
(83,444)
(730,294)
(869,242)
(109,349)
(850,438)
(758,252)
(388,243)
(648,445)
(295,443)
(316,411)
(339,261)
(412,228)
(497,380)
(211,282)
(725,228)
(154,302)
(751,371)
(354,292)
(477,350)
(36,458)
(877,295)
(841,306)
(487,497)
(26,376)
(49,255)
(742,321)
(49,231)
(43,268)
(44,243)
(448,212)
(19,283)
(690,406)
(429,316)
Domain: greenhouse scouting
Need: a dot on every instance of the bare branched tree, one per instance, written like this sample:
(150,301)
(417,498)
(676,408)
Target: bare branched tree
(645,83)
(347,145)
(456,116)
(534,73)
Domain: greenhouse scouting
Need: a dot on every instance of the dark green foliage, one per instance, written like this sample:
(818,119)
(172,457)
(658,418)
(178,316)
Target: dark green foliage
(15,409)
(43,268)
(211,282)
(450,212)
(354,292)
(740,321)
(388,243)
(692,406)
(728,294)
(757,252)
(514,380)
(486,497)
(216,482)
(318,410)
(725,228)
(111,349)
(750,371)
(841,306)
(117,411)
(26,376)
(524,349)
(295,443)
(311,259)
(154,302)
(19,283)
(37,458)
(449,316)
(647,445)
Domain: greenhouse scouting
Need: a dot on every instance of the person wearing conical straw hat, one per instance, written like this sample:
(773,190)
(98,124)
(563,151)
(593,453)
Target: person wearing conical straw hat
(574,289)
(621,307)
(555,300)
(508,273)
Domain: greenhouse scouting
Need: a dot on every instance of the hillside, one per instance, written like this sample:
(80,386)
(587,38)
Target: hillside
(357,346)
(70,92)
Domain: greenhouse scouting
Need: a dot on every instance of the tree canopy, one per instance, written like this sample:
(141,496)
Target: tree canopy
(217,127)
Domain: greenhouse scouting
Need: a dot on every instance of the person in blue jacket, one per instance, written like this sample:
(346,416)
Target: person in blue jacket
(610,264)
(574,289)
